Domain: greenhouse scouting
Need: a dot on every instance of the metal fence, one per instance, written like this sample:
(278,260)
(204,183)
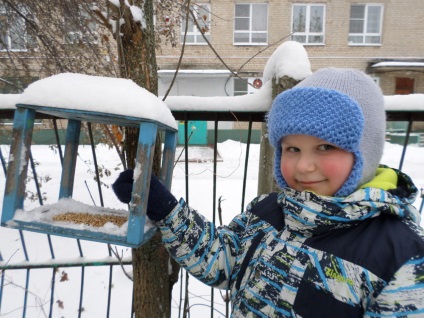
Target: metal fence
(32,276)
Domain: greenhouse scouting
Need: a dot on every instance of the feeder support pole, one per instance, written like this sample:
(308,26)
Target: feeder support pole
(14,194)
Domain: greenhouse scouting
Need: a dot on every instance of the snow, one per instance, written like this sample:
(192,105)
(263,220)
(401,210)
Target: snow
(404,102)
(97,94)
(138,16)
(197,72)
(261,100)
(8,101)
(289,59)
(398,64)
(258,101)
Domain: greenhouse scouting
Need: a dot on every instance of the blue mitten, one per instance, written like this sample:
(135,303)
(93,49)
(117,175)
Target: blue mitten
(160,203)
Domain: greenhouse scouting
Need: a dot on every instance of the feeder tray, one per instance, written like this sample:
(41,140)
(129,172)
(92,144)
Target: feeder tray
(86,222)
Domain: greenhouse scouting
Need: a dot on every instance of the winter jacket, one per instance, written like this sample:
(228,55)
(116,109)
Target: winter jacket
(297,254)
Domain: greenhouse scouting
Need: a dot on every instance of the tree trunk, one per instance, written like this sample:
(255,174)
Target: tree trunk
(153,280)
(266,180)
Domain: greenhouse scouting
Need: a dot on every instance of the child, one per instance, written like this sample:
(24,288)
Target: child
(341,239)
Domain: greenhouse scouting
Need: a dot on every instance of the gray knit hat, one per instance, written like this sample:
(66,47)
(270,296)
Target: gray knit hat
(342,106)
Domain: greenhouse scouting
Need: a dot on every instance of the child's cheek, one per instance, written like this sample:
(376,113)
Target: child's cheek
(287,170)
(330,167)
(337,168)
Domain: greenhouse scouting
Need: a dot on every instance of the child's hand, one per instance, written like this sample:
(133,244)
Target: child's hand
(160,203)
(123,186)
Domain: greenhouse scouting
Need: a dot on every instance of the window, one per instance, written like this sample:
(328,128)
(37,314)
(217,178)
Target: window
(365,24)
(243,86)
(80,26)
(203,17)
(13,30)
(251,24)
(308,23)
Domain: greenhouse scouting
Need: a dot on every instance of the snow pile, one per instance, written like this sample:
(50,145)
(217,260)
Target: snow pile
(404,102)
(398,64)
(289,59)
(98,94)
(8,101)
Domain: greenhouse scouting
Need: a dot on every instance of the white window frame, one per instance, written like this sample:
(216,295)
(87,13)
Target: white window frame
(250,31)
(6,43)
(249,88)
(196,33)
(307,34)
(366,34)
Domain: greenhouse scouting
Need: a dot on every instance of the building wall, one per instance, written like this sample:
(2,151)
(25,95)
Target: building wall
(401,34)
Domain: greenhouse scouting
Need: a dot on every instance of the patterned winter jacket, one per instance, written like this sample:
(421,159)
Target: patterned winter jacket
(296,254)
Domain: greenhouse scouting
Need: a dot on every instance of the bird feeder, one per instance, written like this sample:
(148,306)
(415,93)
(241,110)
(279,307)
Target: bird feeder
(103,100)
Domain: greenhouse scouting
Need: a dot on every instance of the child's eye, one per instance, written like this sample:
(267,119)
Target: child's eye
(292,149)
(326,147)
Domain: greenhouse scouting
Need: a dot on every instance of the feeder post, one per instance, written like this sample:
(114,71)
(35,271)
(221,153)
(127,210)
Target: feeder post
(168,158)
(14,194)
(70,158)
(141,185)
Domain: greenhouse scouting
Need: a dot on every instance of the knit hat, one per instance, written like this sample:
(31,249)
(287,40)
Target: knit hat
(342,106)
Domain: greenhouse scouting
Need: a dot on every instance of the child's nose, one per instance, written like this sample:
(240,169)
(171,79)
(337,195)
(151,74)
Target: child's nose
(306,163)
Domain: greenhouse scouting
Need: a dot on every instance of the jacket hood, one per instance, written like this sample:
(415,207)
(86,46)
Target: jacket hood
(310,214)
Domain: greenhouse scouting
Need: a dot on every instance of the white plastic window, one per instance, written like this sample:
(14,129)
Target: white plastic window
(365,25)
(243,86)
(308,21)
(251,24)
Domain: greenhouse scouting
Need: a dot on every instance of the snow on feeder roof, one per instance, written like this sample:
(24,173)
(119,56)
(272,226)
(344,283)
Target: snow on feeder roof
(97,94)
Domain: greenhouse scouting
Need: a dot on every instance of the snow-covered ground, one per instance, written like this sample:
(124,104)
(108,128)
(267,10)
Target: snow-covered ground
(229,185)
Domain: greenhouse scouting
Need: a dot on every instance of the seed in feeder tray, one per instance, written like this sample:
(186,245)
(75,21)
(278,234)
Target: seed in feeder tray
(96,220)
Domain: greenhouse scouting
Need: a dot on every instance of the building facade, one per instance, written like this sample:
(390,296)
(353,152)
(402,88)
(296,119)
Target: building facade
(382,38)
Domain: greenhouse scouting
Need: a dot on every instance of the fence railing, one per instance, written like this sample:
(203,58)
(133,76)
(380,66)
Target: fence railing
(35,277)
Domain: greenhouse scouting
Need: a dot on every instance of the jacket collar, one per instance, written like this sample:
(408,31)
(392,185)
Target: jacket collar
(310,214)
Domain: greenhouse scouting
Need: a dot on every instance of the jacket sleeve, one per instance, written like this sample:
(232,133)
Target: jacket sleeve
(206,251)
(403,295)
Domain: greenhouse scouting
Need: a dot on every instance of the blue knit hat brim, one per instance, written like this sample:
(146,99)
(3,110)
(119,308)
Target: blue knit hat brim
(323,113)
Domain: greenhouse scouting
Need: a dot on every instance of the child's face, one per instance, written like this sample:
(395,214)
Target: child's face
(310,163)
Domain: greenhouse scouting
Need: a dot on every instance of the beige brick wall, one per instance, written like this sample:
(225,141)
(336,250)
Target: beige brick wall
(401,39)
